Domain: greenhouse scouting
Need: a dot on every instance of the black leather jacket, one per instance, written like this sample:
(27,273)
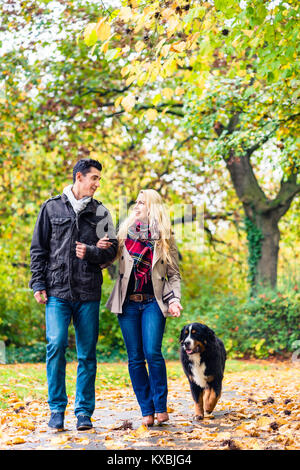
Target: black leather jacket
(54,264)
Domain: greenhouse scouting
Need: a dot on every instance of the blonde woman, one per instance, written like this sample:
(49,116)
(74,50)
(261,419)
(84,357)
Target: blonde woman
(146,292)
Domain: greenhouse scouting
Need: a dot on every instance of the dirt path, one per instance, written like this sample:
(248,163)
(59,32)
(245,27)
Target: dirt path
(258,410)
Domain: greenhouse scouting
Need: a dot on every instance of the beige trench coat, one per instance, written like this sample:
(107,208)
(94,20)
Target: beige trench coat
(165,279)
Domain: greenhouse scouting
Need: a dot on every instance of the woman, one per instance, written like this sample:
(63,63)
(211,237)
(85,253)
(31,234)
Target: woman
(146,292)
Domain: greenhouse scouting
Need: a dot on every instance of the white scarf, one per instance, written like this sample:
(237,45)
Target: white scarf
(77,204)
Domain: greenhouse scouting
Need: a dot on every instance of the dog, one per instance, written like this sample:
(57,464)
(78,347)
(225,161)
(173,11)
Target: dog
(203,358)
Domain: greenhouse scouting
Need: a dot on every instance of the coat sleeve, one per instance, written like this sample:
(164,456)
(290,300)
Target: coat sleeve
(101,256)
(39,250)
(172,287)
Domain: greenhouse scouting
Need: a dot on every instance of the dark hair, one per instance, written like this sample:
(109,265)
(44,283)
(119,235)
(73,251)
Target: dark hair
(84,166)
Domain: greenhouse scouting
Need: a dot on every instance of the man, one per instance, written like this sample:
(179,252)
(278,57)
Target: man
(67,277)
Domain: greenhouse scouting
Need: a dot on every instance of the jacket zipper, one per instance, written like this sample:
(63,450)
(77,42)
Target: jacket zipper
(70,287)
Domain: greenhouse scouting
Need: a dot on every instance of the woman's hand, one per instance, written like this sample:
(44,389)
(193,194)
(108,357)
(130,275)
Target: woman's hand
(174,309)
(104,243)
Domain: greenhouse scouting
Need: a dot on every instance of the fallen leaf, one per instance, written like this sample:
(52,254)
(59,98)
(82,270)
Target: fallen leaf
(15,440)
(58,441)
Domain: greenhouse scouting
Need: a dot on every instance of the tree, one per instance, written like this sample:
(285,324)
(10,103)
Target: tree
(226,73)
(60,96)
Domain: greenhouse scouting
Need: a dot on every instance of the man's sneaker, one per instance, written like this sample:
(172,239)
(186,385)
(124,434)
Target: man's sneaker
(57,420)
(83,423)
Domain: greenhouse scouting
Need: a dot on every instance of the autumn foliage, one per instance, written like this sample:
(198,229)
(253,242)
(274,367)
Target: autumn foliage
(258,410)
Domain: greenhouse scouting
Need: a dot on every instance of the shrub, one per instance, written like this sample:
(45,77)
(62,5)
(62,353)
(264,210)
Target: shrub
(258,327)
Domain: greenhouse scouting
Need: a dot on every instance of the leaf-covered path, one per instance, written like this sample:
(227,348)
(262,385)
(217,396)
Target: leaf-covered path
(259,409)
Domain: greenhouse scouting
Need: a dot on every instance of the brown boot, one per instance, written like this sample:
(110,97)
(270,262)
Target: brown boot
(148,420)
(162,417)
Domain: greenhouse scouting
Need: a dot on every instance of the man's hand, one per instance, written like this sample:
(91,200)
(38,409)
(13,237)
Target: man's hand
(174,309)
(41,296)
(104,243)
(80,250)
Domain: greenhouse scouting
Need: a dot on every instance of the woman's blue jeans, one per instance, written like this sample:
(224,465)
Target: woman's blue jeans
(142,325)
(86,322)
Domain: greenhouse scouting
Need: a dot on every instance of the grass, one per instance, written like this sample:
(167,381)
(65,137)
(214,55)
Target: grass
(29,381)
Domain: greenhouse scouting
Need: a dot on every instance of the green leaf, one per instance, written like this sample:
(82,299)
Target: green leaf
(112,54)
(90,35)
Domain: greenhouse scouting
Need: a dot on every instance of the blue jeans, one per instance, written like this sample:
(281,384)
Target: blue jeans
(142,325)
(86,322)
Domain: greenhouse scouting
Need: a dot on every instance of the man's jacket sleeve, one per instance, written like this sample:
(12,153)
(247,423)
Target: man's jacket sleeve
(39,250)
(97,255)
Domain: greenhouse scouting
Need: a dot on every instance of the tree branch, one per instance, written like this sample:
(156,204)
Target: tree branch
(105,92)
(256,146)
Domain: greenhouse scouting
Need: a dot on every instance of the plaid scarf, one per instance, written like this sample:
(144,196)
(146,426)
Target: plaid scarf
(140,247)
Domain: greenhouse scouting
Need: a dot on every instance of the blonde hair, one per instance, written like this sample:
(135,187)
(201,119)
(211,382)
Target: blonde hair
(158,219)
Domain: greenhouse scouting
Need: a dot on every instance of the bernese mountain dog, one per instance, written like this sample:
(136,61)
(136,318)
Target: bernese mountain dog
(203,358)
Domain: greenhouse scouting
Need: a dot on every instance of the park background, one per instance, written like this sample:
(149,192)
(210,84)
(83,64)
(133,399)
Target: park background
(198,100)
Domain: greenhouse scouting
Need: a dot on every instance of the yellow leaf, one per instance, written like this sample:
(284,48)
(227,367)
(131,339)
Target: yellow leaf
(159,45)
(248,32)
(165,50)
(125,49)
(24,423)
(281,421)
(114,445)
(170,67)
(58,441)
(118,101)
(125,70)
(151,114)
(179,91)
(263,422)
(130,80)
(139,46)
(89,31)
(104,47)
(125,14)
(192,38)
(252,443)
(166,442)
(173,23)
(16,440)
(141,430)
(179,46)
(17,404)
(83,441)
(166,13)
(167,93)
(223,436)
(103,30)
(128,103)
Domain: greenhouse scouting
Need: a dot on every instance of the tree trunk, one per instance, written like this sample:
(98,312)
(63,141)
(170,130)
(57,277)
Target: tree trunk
(266,268)
(263,216)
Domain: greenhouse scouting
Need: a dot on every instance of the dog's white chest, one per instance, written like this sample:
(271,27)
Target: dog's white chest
(198,371)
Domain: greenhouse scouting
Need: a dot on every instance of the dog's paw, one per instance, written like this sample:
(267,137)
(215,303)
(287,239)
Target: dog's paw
(198,417)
